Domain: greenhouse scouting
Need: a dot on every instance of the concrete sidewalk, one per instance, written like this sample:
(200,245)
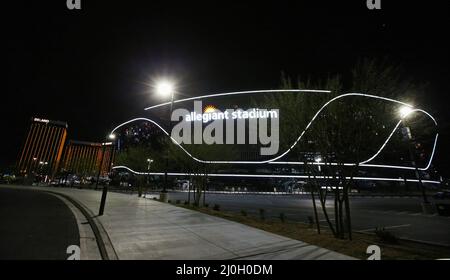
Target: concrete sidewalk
(141,228)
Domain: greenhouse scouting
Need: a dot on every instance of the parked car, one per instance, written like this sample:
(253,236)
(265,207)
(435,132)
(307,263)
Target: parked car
(55,182)
(183,184)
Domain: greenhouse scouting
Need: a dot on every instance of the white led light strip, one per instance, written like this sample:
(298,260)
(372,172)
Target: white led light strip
(273,160)
(274,176)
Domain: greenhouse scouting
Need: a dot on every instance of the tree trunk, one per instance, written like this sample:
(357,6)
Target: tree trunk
(347,214)
(322,199)
(189,189)
(341,219)
(316,217)
(336,214)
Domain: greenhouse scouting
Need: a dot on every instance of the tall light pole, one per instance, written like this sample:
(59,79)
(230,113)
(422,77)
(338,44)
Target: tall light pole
(404,112)
(149,161)
(318,160)
(166,88)
(105,186)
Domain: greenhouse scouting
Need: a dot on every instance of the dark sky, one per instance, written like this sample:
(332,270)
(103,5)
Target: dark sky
(91,67)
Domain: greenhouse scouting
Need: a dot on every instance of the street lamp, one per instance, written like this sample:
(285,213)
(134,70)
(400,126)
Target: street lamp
(404,112)
(318,160)
(105,186)
(166,88)
(149,160)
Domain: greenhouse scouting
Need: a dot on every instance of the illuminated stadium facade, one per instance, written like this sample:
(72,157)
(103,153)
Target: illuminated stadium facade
(249,165)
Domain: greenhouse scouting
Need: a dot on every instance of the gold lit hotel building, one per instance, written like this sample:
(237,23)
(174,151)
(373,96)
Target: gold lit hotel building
(46,153)
(85,158)
(43,147)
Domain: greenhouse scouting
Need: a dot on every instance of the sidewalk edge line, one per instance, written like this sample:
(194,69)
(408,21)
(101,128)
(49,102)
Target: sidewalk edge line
(95,228)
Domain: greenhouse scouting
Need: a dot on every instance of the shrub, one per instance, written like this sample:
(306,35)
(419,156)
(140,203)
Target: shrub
(169,201)
(154,198)
(186,202)
(310,220)
(386,236)
(262,214)
(243,213)
(216,207)
(206,205)
(177,201)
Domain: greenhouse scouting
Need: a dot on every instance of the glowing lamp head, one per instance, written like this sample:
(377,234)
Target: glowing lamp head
(164,88)
(112,136)
(318,159)
(405,111)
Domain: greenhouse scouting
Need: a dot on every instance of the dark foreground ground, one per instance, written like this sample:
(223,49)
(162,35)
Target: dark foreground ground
(35,225)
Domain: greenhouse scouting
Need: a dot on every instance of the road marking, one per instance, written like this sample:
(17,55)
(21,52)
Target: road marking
(324,220)
(402,213)
(388,227)
(382,212)
(405,225)
(416,214)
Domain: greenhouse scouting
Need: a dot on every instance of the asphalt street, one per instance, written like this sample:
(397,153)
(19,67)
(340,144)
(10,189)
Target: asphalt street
(400,215)
(35,225)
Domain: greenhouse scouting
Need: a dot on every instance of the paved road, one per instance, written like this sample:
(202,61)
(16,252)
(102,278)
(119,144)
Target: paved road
(35,225)
(401,215)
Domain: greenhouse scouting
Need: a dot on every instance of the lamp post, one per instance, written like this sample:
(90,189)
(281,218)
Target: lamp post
(149,160)
(166,88)
(105,186)
(316,216)
(404,112)
(318,160)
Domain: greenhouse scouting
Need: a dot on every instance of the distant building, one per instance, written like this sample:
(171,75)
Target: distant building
(84,158)
(42,150)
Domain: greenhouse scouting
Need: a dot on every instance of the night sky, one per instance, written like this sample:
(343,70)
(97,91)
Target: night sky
(92,67)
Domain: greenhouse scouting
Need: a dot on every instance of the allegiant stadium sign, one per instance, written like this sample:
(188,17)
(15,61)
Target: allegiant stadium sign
(231,126)
(230,114)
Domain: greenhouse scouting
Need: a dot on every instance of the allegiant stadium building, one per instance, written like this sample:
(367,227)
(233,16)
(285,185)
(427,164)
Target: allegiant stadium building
(269,140)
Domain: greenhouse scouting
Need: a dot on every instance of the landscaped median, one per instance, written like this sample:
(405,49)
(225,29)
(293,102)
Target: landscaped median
(391,248)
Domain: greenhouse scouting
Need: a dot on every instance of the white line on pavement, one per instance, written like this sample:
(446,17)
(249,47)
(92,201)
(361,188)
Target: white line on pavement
(388,227)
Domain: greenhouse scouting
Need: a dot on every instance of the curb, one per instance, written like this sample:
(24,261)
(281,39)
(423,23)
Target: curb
(101,236)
